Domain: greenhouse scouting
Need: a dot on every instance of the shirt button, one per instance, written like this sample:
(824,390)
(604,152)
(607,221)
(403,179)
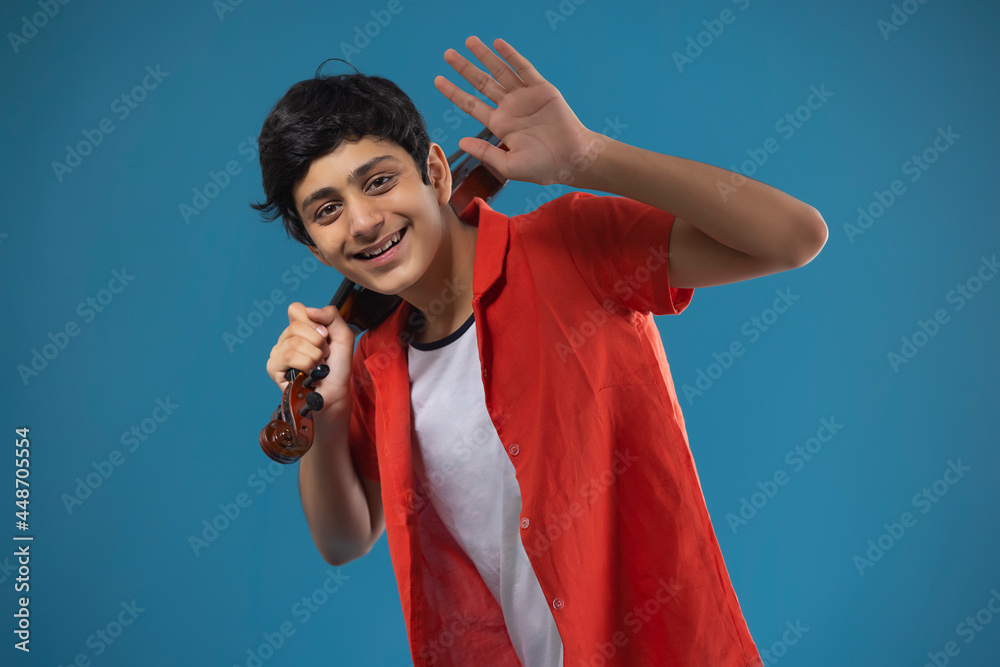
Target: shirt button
(557,603)
(514,449)
(524,522)
(409,501)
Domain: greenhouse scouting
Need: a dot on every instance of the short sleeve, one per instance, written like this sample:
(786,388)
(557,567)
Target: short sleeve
(361,434)
(621,248)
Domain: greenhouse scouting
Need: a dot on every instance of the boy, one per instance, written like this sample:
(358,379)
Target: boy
(513,426)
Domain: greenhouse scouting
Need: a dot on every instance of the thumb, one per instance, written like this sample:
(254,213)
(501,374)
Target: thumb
(485,152)
(324,315)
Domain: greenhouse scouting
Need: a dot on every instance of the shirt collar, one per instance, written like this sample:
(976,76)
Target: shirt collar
(491,244)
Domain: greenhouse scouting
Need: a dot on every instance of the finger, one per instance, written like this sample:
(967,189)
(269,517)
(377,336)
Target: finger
(304,351)
(500,70)
(279,379)
(296,353)
(297,312)
(308,329)
(299,361)
(276,371)
(486,153)
(324,315)
(479,79)
(317,334)
(524,69)
(470,104)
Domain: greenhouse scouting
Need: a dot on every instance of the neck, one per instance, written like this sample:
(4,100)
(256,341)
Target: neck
(444,294)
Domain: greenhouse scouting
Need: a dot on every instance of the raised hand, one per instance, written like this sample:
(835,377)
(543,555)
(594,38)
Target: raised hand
(546,142)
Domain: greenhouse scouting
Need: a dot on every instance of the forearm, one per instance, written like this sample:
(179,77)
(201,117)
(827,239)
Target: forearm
(746,215)
(333,499)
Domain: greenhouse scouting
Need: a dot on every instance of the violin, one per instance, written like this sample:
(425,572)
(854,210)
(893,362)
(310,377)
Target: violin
(289,434)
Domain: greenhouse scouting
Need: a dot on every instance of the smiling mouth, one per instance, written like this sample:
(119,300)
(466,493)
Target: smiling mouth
(394,241)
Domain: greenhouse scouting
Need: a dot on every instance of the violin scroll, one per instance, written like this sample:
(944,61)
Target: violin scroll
(289,435)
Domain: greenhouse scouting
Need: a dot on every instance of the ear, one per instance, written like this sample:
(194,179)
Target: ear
(439,172)
(318,255)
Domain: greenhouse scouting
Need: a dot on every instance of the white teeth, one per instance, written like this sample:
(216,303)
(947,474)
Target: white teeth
(388,244)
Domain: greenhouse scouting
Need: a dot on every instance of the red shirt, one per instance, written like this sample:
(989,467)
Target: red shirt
(578,387)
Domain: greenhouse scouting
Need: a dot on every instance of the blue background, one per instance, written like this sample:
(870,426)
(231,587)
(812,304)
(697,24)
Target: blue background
(161,337)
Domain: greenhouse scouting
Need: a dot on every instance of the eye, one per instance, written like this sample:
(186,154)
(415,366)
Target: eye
(325,210)
(387,179)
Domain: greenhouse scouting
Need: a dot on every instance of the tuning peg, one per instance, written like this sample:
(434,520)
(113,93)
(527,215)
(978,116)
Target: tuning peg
(314,403)
(316,375)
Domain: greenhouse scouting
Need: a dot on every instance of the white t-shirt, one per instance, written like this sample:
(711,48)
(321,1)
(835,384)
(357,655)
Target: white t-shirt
(465,471)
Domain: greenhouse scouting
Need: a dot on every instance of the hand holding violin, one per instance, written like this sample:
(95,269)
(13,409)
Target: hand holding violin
(318,339)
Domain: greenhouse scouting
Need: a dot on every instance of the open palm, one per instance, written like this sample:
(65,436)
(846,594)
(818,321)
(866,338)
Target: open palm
(546,143)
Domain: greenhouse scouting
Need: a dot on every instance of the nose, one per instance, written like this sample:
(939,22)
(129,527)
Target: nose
(366,219)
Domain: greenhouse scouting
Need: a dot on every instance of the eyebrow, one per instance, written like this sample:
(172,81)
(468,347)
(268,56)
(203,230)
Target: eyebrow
(331,191)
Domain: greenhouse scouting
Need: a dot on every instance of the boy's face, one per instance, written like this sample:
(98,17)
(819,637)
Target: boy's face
(357,197)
